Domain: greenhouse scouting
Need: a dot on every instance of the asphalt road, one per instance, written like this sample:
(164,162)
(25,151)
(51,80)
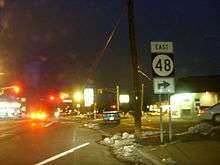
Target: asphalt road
(56,142)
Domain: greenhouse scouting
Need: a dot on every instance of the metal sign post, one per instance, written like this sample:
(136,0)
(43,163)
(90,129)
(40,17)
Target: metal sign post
(170,121)
(161,121)
(163,68)
(170,126)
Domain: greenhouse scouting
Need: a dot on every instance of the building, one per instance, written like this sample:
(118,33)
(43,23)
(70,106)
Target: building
(9,108)
(193,94)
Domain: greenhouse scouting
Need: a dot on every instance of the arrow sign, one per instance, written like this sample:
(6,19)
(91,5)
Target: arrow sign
(163,85)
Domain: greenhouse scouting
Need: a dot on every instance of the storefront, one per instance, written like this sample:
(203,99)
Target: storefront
(188,104)
(193,94)
(9,108)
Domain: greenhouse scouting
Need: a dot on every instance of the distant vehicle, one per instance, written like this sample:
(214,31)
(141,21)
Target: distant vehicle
(43,115)
(210,114)
(68,111)
(38,115)
(111,117)
(42,111)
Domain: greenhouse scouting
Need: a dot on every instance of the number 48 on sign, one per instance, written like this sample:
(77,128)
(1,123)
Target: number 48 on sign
(163,65)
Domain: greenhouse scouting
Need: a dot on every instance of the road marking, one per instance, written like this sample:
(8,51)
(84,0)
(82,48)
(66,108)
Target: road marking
(62,154)
(49,124)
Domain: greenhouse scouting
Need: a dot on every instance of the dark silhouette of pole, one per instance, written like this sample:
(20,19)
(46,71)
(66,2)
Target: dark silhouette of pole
(134,59)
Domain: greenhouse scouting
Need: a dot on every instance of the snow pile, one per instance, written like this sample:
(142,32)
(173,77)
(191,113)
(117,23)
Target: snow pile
(119,140)
(150,133)
(125,135)
(92,126)
(127,152)
(123,146)
(202,128)
(108,141)
(116,137)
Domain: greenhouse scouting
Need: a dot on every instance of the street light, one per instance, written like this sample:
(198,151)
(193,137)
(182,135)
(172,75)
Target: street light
(16,89)
(63,95)
(77,96)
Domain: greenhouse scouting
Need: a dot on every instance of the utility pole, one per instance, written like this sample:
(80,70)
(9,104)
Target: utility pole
(117,97)
(134,59)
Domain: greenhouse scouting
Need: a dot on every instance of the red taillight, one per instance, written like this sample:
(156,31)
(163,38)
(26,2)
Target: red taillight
(38,115)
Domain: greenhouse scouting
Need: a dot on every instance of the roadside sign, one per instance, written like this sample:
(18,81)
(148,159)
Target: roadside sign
(163,75)
(163,65)
(161,47)
(164,85)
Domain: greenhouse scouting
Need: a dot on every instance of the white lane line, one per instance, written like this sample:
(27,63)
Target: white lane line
(49,124)
(62,154)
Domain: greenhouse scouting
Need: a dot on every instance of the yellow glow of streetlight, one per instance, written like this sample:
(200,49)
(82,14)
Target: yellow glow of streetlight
(64,96)
(77,96)
(16,89)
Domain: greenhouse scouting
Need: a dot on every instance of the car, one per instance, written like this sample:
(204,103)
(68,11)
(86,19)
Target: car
(111,117)
(210,114)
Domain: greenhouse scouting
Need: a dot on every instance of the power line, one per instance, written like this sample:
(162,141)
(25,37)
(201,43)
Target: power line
(100,55)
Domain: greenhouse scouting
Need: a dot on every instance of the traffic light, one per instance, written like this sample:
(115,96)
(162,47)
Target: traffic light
(78,96)
(63,95)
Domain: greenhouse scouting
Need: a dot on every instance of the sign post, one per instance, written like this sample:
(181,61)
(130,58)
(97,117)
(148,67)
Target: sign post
(163,75)
(161,121)
(170,121)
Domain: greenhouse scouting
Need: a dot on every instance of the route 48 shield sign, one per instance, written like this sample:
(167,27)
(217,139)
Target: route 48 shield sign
(163,65)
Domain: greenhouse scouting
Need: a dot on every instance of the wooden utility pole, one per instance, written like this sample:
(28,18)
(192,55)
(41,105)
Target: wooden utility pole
(134,59)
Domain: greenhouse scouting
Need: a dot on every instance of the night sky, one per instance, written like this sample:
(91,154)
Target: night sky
(64,37)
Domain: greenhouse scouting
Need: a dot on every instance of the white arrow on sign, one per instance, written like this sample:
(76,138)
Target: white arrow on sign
(164,85)
(163,65)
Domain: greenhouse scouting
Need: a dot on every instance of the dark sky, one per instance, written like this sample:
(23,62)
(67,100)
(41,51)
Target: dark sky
(65,36)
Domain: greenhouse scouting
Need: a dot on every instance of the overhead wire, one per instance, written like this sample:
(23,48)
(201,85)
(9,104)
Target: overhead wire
(102,52)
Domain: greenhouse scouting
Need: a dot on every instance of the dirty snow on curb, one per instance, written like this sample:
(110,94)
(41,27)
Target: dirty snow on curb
(202,128)
(150,133)
(123,146)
